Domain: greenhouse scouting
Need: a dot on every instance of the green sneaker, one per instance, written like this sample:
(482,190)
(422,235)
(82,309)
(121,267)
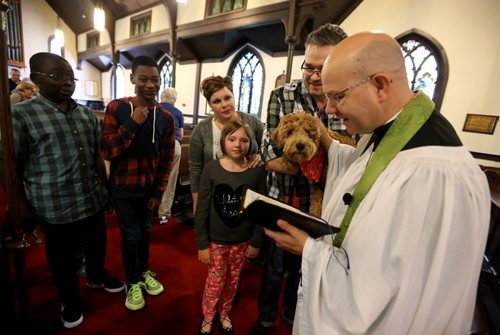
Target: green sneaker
(152,285)
(135,298)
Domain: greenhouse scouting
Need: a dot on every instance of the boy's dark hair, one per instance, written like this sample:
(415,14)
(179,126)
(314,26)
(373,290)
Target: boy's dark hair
(233,126)
(38,59)
(145,61)
(327,34)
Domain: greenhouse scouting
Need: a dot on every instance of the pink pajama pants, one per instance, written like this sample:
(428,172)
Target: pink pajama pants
(222,279)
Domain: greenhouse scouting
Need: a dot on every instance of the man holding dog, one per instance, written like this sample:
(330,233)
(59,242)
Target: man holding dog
(414,226)
(305,95)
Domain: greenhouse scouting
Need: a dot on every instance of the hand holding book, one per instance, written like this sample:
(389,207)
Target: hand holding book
(264,211)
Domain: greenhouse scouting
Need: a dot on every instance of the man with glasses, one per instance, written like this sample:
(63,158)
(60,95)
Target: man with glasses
(305,95)
(412,205)
(57,154)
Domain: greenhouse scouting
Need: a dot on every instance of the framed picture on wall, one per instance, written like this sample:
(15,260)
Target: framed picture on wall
(480,123)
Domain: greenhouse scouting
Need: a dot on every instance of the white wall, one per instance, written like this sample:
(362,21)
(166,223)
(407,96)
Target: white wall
(159,21)
(186,90)
(190,12)
(469,34)
(39,23)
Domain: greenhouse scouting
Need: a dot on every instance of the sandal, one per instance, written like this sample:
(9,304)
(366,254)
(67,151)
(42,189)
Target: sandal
(203,324)
(229,330)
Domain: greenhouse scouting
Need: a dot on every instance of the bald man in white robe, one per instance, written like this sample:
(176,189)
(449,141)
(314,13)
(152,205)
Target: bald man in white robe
(412,204)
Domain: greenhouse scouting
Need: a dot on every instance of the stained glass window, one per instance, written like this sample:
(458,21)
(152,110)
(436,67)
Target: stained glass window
(238,4)
(426,64)
(421,67)
(166,74)
(140,24)
(224,6)
(120,82)
(117,82)
(227,6)
(247,74)
(93,39)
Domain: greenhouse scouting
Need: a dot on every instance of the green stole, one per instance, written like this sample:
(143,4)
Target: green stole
(404,127)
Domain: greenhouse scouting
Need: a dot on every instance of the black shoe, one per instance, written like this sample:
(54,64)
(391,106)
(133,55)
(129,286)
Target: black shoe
(71,317)
(203,324)
(226,331)
(109,284)
(259,329)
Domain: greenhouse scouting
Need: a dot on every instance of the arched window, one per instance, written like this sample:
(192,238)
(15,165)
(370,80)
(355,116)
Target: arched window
(55,46)
(426,64)
(117,82)
(247,74)
(166,69)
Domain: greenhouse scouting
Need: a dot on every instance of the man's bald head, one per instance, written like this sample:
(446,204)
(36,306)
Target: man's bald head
(366,77)
(367,53)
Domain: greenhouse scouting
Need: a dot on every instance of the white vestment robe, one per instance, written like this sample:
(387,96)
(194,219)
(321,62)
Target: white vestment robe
(414,247)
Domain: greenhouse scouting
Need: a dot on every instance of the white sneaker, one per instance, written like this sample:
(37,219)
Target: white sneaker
(71,318)
(163,220)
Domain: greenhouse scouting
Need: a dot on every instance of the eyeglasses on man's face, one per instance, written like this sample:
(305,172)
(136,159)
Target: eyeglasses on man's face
(340,96)
(59,77)
(309,71)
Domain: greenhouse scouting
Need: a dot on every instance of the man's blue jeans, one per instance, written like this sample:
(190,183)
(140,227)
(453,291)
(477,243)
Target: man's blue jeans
(134,218)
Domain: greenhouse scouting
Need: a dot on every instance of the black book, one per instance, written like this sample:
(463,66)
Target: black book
(264,211)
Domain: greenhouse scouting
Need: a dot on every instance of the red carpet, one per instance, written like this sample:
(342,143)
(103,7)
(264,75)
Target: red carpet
(176,311)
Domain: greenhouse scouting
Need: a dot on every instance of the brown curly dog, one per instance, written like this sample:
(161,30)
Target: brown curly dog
(298,136)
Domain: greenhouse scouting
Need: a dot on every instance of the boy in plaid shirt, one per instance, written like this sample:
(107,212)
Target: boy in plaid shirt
(138,139)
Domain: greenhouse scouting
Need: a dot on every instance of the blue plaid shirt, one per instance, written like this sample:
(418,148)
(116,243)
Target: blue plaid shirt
(56,154)
(287,99)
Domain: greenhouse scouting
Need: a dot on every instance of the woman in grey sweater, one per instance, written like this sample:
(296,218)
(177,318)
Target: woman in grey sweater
(204,143)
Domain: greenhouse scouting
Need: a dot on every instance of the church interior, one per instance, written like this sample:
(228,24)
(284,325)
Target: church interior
(450,49)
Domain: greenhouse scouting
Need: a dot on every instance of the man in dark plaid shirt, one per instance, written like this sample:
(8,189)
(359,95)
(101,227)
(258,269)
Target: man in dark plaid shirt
(57,154)
(305,95)
(139,139)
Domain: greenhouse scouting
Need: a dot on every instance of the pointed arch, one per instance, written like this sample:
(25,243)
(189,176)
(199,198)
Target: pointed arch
(55,47)
(117,81)
(166,70)
(426,64)
(247,72)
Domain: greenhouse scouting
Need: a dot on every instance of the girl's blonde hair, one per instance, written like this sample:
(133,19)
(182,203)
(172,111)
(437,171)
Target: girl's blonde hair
(24,86)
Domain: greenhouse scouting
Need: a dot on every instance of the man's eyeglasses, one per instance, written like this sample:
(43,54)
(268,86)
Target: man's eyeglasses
(340,96)
(59,77)
(309,70)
